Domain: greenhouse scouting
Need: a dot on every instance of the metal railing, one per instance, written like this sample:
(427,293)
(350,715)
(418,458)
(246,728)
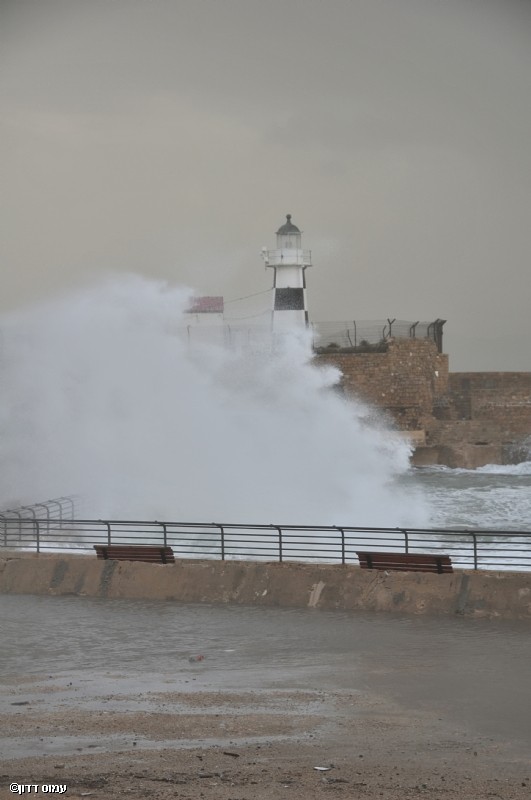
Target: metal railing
(281,256)
(468,549)
(54,510)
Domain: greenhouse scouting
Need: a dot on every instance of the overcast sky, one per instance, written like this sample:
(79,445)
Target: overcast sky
(171,137)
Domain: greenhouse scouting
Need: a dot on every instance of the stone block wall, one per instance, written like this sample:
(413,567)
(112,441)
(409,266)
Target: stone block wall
(467,418)
(404,381)
(502,398)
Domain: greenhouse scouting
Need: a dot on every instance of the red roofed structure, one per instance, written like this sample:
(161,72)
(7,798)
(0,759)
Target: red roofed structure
(206,305)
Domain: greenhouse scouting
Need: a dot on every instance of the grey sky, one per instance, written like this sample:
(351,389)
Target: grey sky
(170,138)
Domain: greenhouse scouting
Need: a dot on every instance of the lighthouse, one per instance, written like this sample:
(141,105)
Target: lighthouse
(289,262)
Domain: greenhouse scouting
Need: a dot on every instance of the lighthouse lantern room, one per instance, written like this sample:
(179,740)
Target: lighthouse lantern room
(289,262)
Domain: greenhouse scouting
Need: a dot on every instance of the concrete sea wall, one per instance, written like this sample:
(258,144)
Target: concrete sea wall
(477,594)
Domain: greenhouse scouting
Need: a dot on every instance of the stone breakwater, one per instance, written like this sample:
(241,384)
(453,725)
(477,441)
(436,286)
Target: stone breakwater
(460,419)
(504,595)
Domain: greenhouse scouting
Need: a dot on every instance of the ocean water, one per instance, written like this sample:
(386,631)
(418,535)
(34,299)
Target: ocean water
(495,496)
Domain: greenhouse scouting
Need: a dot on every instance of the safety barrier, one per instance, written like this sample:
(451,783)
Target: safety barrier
(54,512)
(468,549)
(373,335)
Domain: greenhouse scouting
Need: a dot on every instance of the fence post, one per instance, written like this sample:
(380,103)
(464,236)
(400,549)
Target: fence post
(222,538)
(475,541)
(108,524)
(57,503)
(164,534)
(19,526)
(71,501)
(38,536)
(342,543)
(279,542)
(406,540)
(47,509)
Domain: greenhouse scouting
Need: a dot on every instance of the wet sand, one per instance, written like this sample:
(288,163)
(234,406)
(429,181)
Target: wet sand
(101,696)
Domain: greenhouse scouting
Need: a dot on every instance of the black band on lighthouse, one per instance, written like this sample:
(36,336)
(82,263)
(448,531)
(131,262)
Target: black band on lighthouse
(289,299)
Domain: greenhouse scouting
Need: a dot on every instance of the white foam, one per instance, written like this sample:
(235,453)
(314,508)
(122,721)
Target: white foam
(501,508)
(524,468)
(101,397)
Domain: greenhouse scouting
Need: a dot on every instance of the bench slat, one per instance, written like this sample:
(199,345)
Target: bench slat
(413,562)
(150,553)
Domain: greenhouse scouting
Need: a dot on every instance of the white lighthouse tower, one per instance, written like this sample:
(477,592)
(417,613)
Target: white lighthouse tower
(289,262)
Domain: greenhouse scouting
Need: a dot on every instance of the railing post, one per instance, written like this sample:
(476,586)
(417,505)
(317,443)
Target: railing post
(475,541)
(108,524)
(31,510)
(47,509)
(165,534)
(38,535)
(19,526)
(342,543)
(222,531)
(280,555)
(57,503)
(406,540)
(71,501)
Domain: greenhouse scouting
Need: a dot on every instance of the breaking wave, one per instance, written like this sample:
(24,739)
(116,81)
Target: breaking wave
(102,396)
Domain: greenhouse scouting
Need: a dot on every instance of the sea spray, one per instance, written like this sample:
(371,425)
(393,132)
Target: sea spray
(103,395)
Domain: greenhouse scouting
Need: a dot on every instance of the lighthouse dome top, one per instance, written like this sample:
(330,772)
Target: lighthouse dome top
(288,227)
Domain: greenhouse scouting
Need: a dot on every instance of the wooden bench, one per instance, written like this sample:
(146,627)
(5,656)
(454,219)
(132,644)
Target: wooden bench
(135,552)
(407,562)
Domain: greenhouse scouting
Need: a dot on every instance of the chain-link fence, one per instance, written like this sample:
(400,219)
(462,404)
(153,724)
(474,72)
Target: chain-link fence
(373,335)
(363,336)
